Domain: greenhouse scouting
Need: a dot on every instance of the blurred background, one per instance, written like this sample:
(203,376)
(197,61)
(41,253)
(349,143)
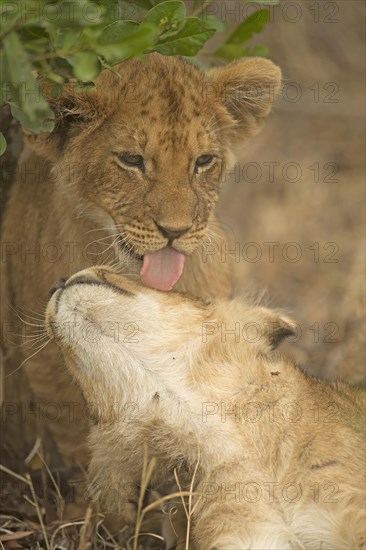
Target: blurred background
(301,181)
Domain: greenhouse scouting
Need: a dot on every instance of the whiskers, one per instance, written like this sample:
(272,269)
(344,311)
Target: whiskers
(219,225)
(109,250)
(38,350)
(35,320)
(116,248)
(30,334)
(106,228)
(211,237)
(108,241)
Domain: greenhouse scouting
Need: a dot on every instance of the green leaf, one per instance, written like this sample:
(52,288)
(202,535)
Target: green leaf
(116,31)
(18,73)
(2,144)
(74,14)
(123,10)
(33,33)
(134,43)
(82,88)
(235,51)
(155,2)
(230,51)
(166,15)
(10,14)
(86,65)
(145,4)
(188,41)
(33,123)
(267,2)
(61,66)
(53,77)
(66,39)
(260,51)
(255,23)
(251,25)
(23,92)
(197,62)
(211,22)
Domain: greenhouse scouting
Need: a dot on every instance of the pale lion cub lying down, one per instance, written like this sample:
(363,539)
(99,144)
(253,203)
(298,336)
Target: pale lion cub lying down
(281,455)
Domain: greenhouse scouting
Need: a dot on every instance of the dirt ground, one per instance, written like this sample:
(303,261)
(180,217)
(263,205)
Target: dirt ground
(295,210)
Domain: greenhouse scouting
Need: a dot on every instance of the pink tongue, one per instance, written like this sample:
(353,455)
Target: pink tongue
(162,269)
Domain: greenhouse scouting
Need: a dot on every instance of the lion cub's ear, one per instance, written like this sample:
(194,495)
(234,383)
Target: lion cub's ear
(73,111)
(247,88)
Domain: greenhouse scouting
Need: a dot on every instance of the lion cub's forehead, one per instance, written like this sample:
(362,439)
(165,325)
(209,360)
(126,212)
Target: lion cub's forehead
(164,83)
(164,101)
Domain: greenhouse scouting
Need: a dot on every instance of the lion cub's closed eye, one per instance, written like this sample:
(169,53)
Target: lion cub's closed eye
(280,456)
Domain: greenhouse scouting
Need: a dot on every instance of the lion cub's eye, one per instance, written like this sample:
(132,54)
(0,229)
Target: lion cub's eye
(133,161)
(204,160)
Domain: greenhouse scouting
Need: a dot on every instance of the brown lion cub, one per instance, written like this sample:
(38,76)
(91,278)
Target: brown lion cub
(130,176)
(281,456)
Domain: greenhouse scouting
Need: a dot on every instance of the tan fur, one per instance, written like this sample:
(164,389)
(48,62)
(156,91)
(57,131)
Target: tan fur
(281,456)
(73,192)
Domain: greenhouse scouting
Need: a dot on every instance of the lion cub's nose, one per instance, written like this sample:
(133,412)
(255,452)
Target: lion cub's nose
(56,286)
(172,233)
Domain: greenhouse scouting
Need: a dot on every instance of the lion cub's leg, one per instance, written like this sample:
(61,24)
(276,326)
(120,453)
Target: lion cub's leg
(118,498)
(223,522)
(268,540)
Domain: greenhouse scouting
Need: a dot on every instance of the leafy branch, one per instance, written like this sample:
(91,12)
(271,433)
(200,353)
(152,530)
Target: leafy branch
(60,40)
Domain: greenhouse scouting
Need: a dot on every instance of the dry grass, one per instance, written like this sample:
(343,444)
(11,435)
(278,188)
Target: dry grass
(37,519)
(31,519)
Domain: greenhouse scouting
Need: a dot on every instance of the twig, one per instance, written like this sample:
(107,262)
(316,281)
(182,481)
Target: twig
(39,513)
(147,470)
(84,531)
(28,481)
(190,510)
(13,474)
(60,503)
(63,526)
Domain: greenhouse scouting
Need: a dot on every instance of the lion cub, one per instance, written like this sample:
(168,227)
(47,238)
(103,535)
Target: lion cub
(130,176)
(280,455)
